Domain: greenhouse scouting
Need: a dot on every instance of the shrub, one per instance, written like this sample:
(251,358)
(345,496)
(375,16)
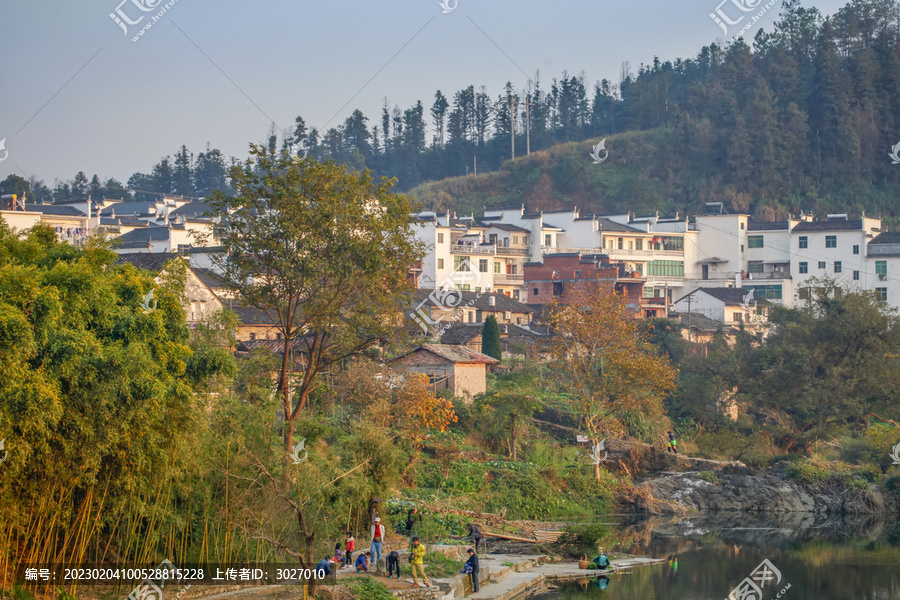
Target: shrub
(585,539)
(710,476)
(366,588)
(804,470)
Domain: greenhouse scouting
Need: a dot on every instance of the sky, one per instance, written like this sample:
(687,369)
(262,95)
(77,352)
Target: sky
(78,94)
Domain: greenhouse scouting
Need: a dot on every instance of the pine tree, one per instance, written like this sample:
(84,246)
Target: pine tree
(490,338)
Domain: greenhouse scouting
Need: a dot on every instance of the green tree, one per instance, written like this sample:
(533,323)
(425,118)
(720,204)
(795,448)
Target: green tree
(509,413)
(490,338)
(324,253)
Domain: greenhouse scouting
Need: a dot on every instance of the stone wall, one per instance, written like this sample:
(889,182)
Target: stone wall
(469,380)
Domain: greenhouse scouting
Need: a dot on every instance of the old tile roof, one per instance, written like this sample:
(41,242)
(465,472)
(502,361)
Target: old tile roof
(732,296)
(209,277)
(149,261)
(143,235)
(454,354)
(191,209)
(886,237)
(124,209)
(828,225)
(55,209)
(505,227)
(460,334)
(768,226)
(477,300)
(698,321)
(248,315)
(610,225)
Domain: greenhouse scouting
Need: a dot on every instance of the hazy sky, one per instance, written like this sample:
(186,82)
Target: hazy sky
(79,94)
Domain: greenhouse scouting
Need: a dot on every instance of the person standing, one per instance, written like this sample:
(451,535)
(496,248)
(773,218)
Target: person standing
(413,520)
(417,563)
(472,565)
(477,536)
(349,546)
(671,444)
(377,538)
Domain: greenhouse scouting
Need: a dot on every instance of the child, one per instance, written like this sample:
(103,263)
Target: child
(349,545)
(338,555)
(362,562)
(393,564)
(671,444)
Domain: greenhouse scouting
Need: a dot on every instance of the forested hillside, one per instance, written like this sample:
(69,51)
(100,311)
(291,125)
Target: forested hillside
(803,117)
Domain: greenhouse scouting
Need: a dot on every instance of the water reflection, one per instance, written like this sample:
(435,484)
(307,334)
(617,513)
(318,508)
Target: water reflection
(855,558)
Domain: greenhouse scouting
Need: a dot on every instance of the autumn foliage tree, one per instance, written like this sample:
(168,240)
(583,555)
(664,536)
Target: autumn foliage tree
(601,359)
(324,252)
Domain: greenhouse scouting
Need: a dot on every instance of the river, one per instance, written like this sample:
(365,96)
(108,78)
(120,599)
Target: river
(810,558)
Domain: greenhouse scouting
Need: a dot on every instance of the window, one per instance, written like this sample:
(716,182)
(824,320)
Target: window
(856,275)
(881,294)
(577,274)
(754,241)
(557,288)
(535,291)
(755,266)
(738,317)
(821,264)
(648,291)
(769,292)
(506,242)
(516,239)
(673,244)
(440,238)
(515,294)
(478,290)
(804,241)
(881,267)
(742,225)
(513,269)
(465,287)
(440,263)
(742,247)
(621,245)
(482,265)
(855,248)
(639,244)
(461,263)
(630,244)
(665,268)
(548,240)
(496,267)
(837,266)
(507,316)
(252,336)
(831,241)
(804,267)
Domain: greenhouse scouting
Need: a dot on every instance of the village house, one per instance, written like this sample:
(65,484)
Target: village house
(456,368)
(439,308)
(730,305)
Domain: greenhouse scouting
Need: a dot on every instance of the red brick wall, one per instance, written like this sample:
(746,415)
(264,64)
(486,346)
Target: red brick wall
(560,270)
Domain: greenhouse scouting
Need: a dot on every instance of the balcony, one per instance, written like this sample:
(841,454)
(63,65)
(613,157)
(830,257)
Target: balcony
(480,249)
(508,279)
(501,250)
(616,254)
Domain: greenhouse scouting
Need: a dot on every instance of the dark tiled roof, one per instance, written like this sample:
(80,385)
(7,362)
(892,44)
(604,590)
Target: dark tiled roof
(515,331)
(275,346)
(610,225)
(733,296)
(455,354)
(886,237)
(828,225)
(122,209)
(461,334)
(191,209)
(149,261)
(55,209)
(547,225)
(769,226)
(479,300)
(504,227)
(248,315)
(209,277)
(698,321)
(144,235)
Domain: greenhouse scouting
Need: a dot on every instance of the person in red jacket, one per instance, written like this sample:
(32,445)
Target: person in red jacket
(349,546)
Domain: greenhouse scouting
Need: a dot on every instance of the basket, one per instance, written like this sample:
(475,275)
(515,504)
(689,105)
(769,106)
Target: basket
(584,563)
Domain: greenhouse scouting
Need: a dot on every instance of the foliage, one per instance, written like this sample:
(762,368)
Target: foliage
(584,539)
(367,588)
(490,338)
(438,566)
(323,252)
(603,362)
(710,476)
(508,414)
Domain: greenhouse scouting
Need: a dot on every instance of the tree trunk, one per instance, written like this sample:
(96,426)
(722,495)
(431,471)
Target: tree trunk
(597,471)
(284,388)
(514,446)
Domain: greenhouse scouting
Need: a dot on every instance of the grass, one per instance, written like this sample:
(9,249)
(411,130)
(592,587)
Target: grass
(366,588)
(438,565)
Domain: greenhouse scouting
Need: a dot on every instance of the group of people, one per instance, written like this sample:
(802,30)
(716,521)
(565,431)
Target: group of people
(343,553)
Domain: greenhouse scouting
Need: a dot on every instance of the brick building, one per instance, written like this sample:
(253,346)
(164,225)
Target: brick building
(457,368)
(561,276)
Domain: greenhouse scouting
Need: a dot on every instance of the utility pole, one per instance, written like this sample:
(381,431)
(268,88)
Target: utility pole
(528,125)
(690,299)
